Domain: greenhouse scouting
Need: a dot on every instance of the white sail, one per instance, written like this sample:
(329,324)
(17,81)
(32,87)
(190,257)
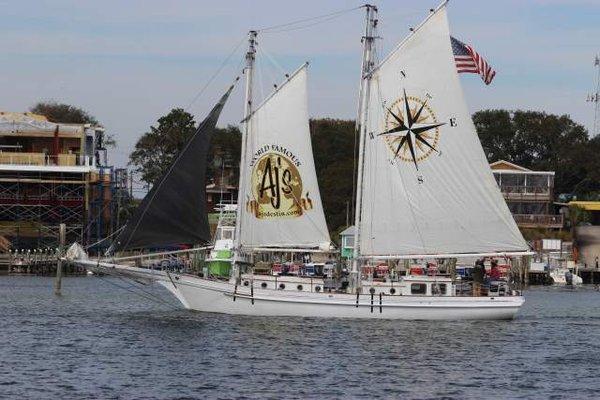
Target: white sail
(281,204)
(428,188)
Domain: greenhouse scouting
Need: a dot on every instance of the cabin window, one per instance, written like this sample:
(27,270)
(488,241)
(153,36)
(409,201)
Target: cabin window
(263,285)
(392,291)
(299,287)
(418,288)
(281,286)
(372,290)
(246,283)
(438,289)
(317,288)
(349,241)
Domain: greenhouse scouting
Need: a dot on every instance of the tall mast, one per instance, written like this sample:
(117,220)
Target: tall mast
(361,118)
(249,73)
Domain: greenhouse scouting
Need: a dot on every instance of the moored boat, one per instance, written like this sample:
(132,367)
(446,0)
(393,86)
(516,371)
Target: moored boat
(425,193)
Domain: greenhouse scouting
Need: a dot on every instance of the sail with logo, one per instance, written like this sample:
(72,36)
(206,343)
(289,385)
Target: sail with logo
(280,203)
(427,187)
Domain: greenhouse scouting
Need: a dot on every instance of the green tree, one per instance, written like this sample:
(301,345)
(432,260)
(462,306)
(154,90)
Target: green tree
(537,140)
(225,150)
(333,148)
(63,113)
(158,147)
(68,114)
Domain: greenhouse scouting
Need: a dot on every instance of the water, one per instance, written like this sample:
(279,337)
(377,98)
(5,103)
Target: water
(100,341)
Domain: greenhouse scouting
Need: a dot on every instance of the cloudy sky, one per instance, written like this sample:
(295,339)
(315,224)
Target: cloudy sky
(129,62)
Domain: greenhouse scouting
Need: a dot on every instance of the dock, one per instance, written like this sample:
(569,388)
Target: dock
(34,262)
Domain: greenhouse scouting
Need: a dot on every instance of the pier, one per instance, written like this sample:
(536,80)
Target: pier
(590,275)
(35,262)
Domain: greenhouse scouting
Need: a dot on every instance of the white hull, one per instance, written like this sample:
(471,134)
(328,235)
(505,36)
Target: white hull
(223,297)
(559,278)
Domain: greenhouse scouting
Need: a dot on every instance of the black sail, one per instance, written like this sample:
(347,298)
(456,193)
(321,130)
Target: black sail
(174,211)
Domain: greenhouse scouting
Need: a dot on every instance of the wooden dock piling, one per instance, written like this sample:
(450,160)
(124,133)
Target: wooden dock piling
(59,261)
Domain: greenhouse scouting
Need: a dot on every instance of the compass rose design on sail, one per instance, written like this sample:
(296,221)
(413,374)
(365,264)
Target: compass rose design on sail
(412,129)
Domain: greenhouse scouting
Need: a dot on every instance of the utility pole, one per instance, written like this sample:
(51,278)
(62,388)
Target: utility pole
(131,184)
(595,97)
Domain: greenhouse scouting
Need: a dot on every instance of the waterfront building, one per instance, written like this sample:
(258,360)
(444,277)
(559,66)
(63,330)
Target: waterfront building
(587,232)
(529,195)
(347,241)
(52,173)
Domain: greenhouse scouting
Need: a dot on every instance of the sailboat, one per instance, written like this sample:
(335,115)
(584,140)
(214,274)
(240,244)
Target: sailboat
(424,192)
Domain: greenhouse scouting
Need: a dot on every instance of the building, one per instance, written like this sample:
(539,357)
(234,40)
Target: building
(218,194)
(528,194)
(52,173)
(347,239)
(587,232)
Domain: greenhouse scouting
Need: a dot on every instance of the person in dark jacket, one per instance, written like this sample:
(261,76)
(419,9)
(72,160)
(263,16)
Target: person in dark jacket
(478,275)
(495,271)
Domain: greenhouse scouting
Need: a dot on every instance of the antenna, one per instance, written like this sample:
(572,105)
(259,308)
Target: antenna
(595,97)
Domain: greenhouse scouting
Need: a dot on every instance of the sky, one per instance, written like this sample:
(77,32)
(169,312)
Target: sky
(130,62)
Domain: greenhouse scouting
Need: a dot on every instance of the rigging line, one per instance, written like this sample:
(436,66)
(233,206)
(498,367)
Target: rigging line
(262,51)
(109,236)
(131,283)
(268,71)
(277,28)
(212,78)
(129,289)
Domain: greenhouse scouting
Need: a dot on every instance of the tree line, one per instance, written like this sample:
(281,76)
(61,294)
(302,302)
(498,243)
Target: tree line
(532,139)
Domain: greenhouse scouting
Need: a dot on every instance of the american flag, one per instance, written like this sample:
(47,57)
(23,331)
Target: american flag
(469,61)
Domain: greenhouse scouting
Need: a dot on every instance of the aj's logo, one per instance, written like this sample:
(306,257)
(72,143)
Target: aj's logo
(277,189)
(411,129)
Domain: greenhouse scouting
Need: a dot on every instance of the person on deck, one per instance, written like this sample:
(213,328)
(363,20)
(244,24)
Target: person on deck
(495,271)
(478,275)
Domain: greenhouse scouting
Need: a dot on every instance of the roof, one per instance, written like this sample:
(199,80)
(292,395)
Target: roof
(507,165)
(29,124)
(586,205)
(213,188)
(504,166)
(349,231)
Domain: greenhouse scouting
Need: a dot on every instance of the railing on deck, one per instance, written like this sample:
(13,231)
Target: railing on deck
(42,159)
(539,220)
(529,192)
(188,260)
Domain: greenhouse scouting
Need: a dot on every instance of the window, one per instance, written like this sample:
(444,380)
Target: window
(438,289)
(349,241)
(263,285)
(281,286)
(418,288)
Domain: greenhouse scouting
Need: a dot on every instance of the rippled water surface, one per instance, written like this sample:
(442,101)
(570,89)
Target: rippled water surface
(101,341)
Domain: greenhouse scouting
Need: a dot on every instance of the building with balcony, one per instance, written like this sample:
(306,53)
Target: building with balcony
(528,194)
(52,173)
